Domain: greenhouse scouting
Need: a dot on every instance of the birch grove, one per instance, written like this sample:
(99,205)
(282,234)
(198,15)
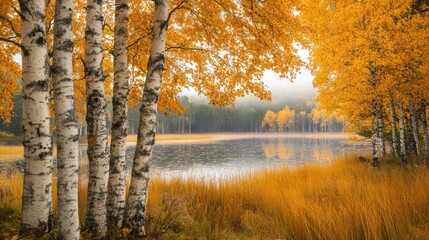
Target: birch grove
(219,48)
(371,35)
(66,122)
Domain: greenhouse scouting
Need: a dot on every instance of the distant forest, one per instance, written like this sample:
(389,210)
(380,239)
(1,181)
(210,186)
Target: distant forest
(288,115)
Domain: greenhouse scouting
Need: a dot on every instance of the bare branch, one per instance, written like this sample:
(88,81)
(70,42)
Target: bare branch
(19,12)
(11,25)
(187,48)
(179,6)
(24,50)
(138,40)
(107,25)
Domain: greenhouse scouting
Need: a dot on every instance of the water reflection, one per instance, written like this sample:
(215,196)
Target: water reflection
(227,158)
(277,149)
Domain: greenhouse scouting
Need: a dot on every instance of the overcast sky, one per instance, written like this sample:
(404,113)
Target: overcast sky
(301,85)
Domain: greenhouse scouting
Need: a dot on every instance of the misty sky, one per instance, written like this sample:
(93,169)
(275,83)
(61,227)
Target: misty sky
(280,88)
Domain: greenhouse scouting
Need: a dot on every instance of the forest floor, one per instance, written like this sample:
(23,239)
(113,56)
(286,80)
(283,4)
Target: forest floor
(346,200)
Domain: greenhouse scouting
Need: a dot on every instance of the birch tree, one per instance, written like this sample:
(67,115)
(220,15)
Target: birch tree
(66,122)
(394,120)
(117,176)
(380,130)
(401,132)
(37,215)
(414,126)
(374,120)
(137,196)
(96,121)
(424,127)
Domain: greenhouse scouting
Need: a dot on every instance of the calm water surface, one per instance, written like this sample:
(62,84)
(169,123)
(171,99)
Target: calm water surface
(231,157)
(222,159)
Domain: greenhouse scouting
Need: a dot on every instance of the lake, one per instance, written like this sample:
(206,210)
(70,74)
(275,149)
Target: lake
(224,158)
(240,154)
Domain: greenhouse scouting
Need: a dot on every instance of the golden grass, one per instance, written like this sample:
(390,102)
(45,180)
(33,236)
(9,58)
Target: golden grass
(347,200)
(12,150)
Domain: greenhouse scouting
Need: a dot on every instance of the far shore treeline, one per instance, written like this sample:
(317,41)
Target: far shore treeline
(200,117)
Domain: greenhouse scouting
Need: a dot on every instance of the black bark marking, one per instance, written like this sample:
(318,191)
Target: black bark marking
(44,154)
(37,29)
(158,58)
(122,6)
(163,26)
(89,32)
(68,45)
(38,85)
(58,69)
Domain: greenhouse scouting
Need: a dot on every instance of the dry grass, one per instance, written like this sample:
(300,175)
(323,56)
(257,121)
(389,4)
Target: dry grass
(12,150)
(348,200)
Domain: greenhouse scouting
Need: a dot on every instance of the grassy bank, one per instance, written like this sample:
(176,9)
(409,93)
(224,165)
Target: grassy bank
(347,200)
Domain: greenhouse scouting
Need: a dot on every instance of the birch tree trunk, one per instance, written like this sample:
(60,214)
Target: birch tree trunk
(117,177)
(424,126)
(37,215)
(96,122)
(394,129)
(414,126)
(374,136)
(137,197)
(66,121)
(380,131)
(401,132)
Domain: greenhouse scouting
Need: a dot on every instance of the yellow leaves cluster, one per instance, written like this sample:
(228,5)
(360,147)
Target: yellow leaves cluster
(10,71)
(219,48)
(348,37)
(285,118)
(270,121)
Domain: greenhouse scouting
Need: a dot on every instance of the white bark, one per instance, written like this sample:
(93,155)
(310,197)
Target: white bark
(96,122)
(401,131)
(424,127)
(374,119)
(380,130)
(394,121)
(37,193)
(117,176)
(137,197)
(67,123)
(414,126)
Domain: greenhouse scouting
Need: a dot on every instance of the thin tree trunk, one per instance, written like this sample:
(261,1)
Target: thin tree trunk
(394,129)
(117,177)
(66,121)
(414,126)
(374,136)
(424,126)
(190,120)
(37,215)
(96,122)
(380,131)
(401,132)
(137,197)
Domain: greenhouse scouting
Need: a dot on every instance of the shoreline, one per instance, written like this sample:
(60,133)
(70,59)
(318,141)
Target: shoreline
(15,152)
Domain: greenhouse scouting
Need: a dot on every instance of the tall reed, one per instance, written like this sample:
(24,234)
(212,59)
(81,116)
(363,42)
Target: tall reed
(346,200)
